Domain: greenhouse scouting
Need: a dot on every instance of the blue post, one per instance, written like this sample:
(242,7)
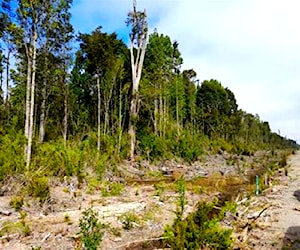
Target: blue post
(256,185)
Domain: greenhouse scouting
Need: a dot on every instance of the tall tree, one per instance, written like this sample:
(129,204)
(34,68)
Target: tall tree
(31,25)
(57,33)
(138,43)
(100,53)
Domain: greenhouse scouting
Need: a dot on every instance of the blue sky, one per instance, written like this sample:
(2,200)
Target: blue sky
(251,46)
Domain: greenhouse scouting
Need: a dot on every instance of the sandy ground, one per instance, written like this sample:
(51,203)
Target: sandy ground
(278,226)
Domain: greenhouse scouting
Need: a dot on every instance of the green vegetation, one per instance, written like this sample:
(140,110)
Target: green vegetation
(20,227)
(82,109)
(16,202)
(128,220)
(199,229)
(112,189)
(91,229)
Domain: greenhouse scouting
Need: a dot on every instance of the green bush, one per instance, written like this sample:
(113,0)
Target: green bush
(283,160)
(128,219)
(199,230)
(60,160)
(151,145)
(91,229)
(38,187)
(189,146)
(11,154)
(112,189)
(16,202)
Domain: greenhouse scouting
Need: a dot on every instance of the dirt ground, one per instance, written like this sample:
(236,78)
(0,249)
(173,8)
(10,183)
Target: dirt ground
(270,220)
(278,225)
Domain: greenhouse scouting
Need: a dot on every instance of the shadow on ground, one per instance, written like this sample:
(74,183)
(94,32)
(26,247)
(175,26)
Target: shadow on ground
(297,194)
(291,239)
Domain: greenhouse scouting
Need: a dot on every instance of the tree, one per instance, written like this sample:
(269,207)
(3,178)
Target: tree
(158,67)
(216,105)
(56,34)
(138,43)
(101,57)
(36,27)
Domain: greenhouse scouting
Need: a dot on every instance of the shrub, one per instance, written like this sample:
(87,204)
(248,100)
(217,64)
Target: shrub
(16,202)
(112,189)
(128,219)
(283,160)
(38,187)
(11,153)
(199,230)
(91,229)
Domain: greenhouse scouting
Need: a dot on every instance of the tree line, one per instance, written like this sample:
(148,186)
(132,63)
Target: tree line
(107,99)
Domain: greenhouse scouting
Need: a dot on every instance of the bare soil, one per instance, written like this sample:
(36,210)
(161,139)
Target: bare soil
(274,216)
(267,221)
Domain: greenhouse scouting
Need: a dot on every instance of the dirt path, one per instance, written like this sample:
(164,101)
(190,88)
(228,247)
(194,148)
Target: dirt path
(278,227)
(289,218)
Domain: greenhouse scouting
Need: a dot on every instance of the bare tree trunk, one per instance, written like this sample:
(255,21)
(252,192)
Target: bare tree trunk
(28,91)
(155,116)
(32,91)
(161,113)
(140,38)
(43,115)
(120,120)
(99,114)
(131,130)
(155,110)
(43,104)
(28,99)
(107,103)
(65,122)
(177,108)
(7,78)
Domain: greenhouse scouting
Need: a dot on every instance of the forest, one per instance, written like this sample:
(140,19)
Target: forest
(74,103)
(71,107)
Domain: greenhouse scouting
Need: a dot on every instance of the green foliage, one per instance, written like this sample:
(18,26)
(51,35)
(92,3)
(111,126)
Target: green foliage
(112,189)
(37,186)
(128,220)
(199,230)
(283,160)
(91,229)
(159,188)
(181,200)
(60,160)
(189,146)
(11,153)
(16,202)
(20,226)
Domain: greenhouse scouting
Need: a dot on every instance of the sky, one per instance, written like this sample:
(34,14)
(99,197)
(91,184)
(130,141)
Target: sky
(250,46)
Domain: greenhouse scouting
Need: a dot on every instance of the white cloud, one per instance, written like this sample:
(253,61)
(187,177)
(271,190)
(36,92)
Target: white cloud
(252,47)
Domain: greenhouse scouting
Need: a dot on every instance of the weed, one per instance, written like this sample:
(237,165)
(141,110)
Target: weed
(16,202)
(159,188)
(112,189)
(91,229)
(67,218)
(115,231)
(128,219)
(38,187)
(116,188)
(93,185)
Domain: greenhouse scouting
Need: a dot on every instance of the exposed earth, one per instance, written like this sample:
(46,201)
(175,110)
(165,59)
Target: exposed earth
(270,220)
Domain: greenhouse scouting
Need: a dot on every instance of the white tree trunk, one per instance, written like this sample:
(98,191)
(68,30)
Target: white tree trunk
(31,106)
(43,115)
(7,77)
(98,114)
(65,121)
